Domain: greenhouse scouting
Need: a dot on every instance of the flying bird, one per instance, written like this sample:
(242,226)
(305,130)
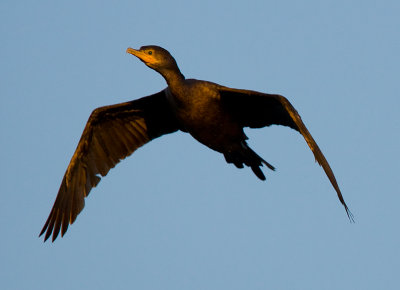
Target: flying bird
(214,115)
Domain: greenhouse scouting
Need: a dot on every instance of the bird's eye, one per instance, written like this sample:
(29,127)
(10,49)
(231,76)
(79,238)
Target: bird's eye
(150,52)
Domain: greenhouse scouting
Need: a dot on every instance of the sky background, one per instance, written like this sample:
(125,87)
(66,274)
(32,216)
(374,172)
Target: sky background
(174,215)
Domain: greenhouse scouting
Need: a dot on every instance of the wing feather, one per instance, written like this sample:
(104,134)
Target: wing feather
(111,134)
(254,109)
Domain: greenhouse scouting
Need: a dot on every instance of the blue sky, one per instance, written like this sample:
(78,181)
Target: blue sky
(175,215)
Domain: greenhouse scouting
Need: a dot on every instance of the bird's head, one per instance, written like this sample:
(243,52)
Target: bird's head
(154,57)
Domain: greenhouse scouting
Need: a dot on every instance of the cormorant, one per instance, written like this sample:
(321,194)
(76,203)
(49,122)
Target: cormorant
(214,115)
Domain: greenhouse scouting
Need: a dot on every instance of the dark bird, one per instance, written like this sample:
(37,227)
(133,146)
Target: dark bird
(213,114)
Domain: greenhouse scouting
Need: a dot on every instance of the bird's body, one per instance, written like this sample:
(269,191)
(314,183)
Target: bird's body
(213,114)
(203,116)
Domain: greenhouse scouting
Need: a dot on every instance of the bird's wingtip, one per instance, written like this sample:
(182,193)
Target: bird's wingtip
(349,215)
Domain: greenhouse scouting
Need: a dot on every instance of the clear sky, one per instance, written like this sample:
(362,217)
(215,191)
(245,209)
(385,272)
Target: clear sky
(175,215)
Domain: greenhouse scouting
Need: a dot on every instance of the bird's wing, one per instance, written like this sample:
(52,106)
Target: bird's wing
(255,110)
(111,134)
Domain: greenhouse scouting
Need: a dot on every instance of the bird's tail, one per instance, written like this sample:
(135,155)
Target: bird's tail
(246,156)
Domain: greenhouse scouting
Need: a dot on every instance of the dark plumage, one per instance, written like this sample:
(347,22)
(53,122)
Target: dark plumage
(214,115)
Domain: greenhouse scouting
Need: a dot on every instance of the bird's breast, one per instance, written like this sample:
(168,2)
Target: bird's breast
(200,113)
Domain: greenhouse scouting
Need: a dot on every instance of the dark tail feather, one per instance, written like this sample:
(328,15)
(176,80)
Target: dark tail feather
(245,155)
(257,171)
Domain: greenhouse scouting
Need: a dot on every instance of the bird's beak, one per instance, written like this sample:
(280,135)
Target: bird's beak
(140,55)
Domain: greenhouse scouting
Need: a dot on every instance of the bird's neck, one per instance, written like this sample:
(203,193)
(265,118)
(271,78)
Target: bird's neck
(174,78)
